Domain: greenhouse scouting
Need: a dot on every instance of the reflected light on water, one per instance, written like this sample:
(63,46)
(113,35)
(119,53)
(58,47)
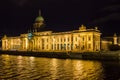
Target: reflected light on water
(34,68)
(87,70)
(6,60)
(31,61)
(53,68)
(5,57)
(32,58)
(19,61)
(19,57)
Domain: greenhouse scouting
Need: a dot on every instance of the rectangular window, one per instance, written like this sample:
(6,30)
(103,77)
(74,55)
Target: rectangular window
(83,38)
(83,47)
(42,46)
(89,46)
(64,46)
(42,43)
(64,39)
(89,38)
(47,40)
(61,46)
(55,46)
(58,46)
(68,39)
(52,46)
(68,46)
(46,46)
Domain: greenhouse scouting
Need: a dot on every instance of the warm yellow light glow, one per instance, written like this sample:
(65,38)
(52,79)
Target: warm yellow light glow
(32,58)
(53,68)
(75,41)
(86,68)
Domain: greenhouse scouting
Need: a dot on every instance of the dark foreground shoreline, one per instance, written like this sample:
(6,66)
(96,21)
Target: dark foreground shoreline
(68,55)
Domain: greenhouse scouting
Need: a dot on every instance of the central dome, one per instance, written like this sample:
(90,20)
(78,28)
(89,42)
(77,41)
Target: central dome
(39,19)
(39,22)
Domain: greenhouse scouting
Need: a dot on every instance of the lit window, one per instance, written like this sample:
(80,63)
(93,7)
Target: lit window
(47,47)
(47,40)
(89,46)
(83,38)
(57,46)
(76,38)
(89,38)
(64,39)
(83,47)
(52,46)
(68,38)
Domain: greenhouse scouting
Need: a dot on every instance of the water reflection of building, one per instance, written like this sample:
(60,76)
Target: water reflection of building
(81,40)
(87,70)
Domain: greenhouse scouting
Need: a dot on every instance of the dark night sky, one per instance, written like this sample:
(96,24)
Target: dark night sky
(17,16)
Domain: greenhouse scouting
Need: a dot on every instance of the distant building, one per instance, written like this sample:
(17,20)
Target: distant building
(81,40)
(107,41)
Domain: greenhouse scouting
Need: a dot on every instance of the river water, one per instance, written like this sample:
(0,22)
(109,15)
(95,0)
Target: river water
(36,68)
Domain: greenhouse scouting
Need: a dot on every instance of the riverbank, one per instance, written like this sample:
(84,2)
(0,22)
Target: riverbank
(111,55)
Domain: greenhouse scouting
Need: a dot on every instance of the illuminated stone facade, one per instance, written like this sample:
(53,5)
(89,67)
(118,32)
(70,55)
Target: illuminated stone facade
(81,40)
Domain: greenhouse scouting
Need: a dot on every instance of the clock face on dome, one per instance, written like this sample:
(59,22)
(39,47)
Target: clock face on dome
(30,35)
